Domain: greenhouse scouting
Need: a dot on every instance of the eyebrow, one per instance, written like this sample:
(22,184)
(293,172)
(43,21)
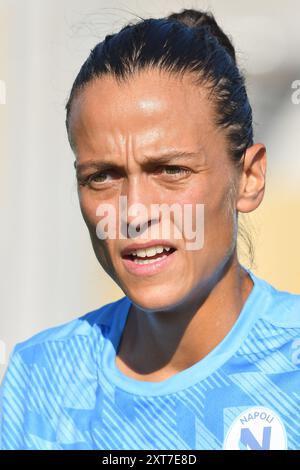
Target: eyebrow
(147,161)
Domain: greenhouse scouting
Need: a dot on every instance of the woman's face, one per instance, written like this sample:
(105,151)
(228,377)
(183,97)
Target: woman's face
(125,136)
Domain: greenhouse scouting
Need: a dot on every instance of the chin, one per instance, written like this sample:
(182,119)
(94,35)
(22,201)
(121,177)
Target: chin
(155,298)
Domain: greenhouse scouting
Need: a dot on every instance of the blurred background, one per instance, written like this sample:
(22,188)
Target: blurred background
(49,274)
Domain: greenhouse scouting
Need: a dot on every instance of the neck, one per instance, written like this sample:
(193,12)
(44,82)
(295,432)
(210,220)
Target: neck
(175,340)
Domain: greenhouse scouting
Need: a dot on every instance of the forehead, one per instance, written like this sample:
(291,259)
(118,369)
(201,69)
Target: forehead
(150,108)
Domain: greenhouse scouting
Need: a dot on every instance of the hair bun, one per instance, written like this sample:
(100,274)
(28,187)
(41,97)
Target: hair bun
(198,18)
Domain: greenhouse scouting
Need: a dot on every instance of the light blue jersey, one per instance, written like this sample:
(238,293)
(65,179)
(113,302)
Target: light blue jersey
(62,389)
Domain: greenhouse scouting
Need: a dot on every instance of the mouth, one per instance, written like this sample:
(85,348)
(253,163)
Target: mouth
(147,260)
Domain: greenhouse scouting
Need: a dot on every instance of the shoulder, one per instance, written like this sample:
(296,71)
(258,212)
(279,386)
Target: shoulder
(281,308)
(81,327)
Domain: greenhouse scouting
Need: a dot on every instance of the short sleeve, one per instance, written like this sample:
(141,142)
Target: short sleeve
(13,398)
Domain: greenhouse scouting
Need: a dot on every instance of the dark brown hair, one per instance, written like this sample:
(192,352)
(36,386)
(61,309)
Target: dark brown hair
(187,42)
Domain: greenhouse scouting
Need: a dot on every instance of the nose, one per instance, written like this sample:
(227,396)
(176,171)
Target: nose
(138,213)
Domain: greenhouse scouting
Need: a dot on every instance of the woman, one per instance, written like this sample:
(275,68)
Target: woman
(199,353)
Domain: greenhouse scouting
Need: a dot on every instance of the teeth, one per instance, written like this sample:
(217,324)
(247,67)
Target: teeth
(141,253)
(148,252)
(148,261)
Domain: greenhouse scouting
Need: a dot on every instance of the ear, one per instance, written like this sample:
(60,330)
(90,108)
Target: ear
(252,179)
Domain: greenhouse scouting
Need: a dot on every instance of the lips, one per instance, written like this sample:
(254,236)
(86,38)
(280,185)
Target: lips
(148,258)
(149,267)
(147,250)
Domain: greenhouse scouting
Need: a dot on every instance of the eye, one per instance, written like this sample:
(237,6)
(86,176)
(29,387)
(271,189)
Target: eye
(99,177)
(96,180)
(173,170)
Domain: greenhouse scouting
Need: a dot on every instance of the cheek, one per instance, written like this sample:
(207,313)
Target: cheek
(102,248)
(215,217)
(194,202)
(88,207)
(220,226)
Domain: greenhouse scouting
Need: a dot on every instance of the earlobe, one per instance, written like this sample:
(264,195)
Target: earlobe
(252,179)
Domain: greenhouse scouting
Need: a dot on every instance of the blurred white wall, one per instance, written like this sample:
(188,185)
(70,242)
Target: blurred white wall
(49,273)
